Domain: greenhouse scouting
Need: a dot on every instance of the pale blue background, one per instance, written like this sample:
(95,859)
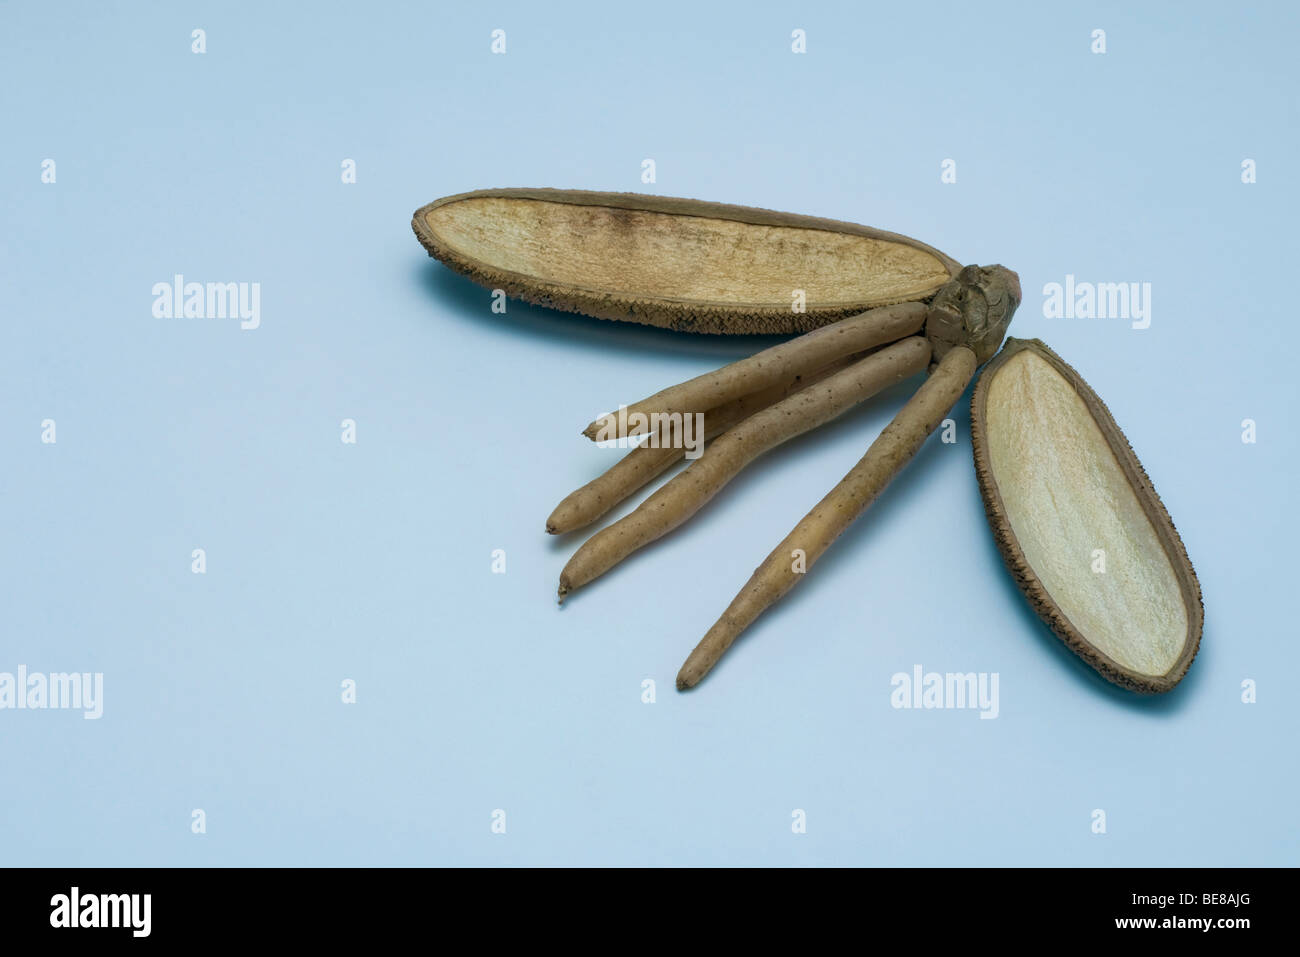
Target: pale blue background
(372,561)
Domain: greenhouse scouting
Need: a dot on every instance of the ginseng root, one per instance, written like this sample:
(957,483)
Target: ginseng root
(647,461)
(686,493)
(807,353)
(896,445)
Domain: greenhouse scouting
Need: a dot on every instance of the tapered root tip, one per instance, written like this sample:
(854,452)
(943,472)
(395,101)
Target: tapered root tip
(700,662)
(688,678)
(562,591)
(562,518)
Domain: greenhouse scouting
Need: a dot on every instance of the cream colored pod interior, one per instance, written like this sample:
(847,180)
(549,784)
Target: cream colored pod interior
(679,263)
(1078,522)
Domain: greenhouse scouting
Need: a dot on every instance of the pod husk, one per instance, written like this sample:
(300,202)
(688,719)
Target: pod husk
(681,264)
(1136,477)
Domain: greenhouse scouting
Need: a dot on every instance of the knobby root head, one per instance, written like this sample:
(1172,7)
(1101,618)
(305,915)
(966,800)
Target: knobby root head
(973,310)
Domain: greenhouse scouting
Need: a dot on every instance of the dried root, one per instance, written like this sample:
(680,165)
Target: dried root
(682,497)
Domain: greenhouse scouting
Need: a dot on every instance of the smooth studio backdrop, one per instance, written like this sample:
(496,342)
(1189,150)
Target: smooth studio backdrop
(372,562)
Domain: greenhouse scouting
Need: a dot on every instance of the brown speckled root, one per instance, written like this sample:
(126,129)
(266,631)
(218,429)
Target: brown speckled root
(1014,557)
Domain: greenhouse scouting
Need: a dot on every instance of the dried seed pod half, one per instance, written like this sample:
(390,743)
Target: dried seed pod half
(1078,522)
(679,263)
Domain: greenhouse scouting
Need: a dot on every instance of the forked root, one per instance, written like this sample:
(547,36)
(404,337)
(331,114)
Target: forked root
(646,462)
(682,497)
